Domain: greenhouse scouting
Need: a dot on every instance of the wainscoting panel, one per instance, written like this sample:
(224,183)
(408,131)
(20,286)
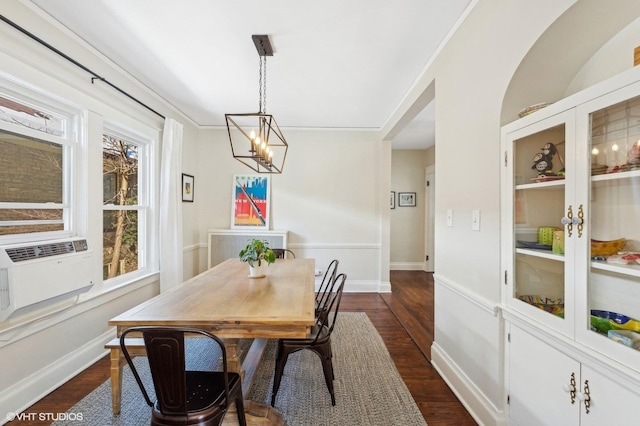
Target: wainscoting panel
(361,263)
(226,243)
(468,349)
(191,261)
(63,346)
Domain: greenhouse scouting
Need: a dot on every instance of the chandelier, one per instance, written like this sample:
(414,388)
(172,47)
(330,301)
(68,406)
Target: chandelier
(256,140)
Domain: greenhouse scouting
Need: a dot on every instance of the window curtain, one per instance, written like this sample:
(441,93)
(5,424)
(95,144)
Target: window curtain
(171,206)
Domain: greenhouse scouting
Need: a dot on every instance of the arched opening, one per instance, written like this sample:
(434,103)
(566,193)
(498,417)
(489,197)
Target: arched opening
(563,61)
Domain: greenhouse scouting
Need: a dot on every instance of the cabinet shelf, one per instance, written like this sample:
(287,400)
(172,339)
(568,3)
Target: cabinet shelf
(554,184)
(615,176)
(545,254)
(629,270)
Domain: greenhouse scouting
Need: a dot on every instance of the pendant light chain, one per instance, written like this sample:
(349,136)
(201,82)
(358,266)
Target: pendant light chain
(262,82)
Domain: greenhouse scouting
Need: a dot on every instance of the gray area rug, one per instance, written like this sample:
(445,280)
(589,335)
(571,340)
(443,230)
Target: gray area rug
(368,387)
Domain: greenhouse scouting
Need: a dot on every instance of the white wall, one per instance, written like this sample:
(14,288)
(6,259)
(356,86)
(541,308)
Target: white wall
(192,260)
(408,223)
(328,198)
(471,75)
(611,59)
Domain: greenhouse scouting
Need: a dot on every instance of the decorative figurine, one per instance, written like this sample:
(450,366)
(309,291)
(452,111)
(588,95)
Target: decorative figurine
(542,163)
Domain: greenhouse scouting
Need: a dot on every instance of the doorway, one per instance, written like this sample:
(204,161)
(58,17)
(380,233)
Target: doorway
(429,217)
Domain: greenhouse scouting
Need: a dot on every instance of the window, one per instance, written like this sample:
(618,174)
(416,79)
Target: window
(36,150)
(125,202)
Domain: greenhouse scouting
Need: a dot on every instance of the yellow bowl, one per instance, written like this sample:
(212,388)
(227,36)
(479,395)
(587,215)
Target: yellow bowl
(606,248)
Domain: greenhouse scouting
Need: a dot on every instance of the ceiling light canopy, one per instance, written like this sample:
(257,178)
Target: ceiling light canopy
(256,140)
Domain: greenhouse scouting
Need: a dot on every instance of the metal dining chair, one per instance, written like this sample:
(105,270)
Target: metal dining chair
(318,342)
(282,253)
(184,397)
(326,287)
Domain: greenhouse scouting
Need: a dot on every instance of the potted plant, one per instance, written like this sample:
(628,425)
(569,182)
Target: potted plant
(256,253)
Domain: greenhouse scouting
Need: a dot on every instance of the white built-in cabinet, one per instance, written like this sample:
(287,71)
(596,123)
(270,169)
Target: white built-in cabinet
(548,387)
(571,174)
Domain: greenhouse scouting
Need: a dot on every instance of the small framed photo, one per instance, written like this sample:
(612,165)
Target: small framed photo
(187,188)
(406,199)
(392,200)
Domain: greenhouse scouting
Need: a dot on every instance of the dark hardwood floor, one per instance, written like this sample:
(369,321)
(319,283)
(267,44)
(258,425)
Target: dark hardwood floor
(404,319)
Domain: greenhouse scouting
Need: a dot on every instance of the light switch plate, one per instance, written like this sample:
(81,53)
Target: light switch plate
(475,220)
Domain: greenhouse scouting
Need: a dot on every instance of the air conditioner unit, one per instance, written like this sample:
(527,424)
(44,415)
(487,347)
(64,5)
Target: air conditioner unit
(35,275)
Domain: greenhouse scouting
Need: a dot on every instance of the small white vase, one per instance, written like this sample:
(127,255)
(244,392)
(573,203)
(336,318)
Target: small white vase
(256,271)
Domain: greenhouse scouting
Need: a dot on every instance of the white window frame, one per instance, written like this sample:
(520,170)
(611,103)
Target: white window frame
(73,149)
(146,202)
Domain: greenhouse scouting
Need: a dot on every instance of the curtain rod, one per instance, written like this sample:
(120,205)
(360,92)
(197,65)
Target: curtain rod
(76,63)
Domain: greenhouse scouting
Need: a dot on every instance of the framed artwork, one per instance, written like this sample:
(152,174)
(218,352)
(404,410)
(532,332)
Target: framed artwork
(392,200)
(187,188)
(406,199)
(250,203)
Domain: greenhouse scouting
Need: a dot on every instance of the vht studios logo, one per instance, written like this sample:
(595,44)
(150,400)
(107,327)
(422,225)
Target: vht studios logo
(51,417)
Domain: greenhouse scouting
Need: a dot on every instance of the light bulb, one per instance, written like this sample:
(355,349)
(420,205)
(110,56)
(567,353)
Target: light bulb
(252,135)
(595,151)
(614,147)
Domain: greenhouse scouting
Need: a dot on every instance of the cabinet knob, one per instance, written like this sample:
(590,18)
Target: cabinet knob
(580,220)
(586,397)
(569,221)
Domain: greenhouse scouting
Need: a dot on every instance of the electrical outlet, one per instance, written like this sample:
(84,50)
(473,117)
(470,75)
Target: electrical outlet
(318,272)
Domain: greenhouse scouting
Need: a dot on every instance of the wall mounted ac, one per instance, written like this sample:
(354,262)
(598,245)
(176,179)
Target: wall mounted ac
(34,275)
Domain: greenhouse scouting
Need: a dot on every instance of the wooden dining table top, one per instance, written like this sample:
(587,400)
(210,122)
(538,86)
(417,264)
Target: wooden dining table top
(226,302)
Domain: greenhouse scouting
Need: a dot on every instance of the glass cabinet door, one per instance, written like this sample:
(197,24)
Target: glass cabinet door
(541,163)
(611,314)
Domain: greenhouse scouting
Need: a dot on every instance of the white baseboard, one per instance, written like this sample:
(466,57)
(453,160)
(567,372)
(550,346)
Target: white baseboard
(385,287)
(406,266)
(471,397)
(366,286)
(39,384)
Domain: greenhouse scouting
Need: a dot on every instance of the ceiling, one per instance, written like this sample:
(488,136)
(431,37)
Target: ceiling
(336,64)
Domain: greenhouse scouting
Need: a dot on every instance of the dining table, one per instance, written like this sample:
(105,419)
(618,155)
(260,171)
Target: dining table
(226,302)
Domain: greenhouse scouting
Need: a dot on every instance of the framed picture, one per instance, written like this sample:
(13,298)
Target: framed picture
(187,188)
(392,200)
(250,203)
(406,199)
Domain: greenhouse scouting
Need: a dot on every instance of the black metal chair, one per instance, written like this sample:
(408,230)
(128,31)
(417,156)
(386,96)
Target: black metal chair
(282,253)
(319,342)
(185,397)
(326,286)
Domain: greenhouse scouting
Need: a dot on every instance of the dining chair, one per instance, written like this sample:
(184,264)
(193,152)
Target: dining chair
(318,342)
(282,253)
(326,287)
(185,397)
